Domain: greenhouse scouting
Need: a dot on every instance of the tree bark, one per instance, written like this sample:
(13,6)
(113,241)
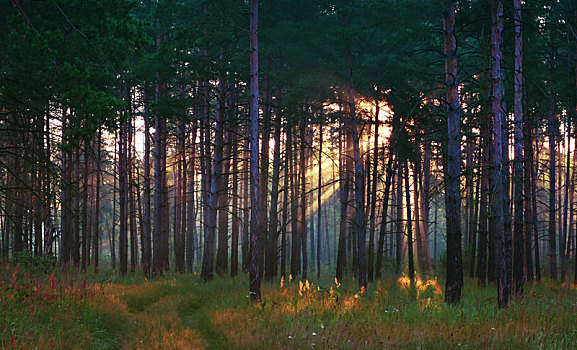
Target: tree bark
(503,279)
(256,214)
(552,133)
(373,201)
(518,163)
(409,223)
(454,282)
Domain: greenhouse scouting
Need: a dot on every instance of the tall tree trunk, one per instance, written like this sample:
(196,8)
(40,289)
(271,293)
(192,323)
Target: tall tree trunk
(552,133)
(85,189)
(384,213)
(256,215)
(96,218)
(474,228)
(454,281)
(66,235)
(425,203)
(399,219)
(271,249)
(303,201)
(319,200)
(207,272)
(132,198)
(221,182)
(123,185)
(190,207)
(503,279)
(246,208)
(373,202)
(359,222)
(518,164)
(534,166)
(295,227)
(264,168)
(235,229)
(285,205)
(112,235)
(146,227)
(161,232)
(344,194)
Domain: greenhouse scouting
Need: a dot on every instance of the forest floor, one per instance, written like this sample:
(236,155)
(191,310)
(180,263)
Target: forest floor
(102,311)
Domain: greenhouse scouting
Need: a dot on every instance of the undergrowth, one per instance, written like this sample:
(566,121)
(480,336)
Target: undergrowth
(72,310)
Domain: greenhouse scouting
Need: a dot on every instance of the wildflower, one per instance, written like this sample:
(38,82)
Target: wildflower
(314,333)
(282,281)
(337,283)
(290,277)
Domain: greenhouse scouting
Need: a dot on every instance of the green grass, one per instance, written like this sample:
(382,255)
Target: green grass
(62,311)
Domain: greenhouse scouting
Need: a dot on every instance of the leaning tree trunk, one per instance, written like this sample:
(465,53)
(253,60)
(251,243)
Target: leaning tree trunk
(454,282)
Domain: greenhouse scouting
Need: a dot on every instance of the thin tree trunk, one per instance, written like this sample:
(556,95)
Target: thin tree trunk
(271,253)
(85,190)
(518,164)
(373,202)
(96,218)
(285,206)
(303,202)
(221,181)
(409,223)
(256,215)
(235,229)
(343,192)
(384,212)
(190,208)
(552,133)
(399,219)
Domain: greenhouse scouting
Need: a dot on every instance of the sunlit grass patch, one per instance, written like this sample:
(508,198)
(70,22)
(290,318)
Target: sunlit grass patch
(61,310)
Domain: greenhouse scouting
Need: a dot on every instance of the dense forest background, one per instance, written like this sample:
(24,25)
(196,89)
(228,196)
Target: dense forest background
(369,137)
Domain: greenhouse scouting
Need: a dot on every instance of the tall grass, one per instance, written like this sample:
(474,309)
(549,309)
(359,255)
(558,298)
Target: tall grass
(65,311)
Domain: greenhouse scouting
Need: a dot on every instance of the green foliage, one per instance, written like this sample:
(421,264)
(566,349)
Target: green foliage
(34,264)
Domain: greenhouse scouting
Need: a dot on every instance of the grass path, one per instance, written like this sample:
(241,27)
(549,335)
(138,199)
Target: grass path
(184,313)
(104,311)
(170,314)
